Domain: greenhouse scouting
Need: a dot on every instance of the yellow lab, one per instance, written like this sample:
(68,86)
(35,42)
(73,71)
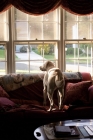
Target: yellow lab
(53,79)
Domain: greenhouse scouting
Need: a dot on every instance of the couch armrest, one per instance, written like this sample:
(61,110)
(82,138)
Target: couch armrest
(86,76)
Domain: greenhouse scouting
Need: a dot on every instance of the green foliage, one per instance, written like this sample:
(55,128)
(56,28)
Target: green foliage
(73,50)
(46,48)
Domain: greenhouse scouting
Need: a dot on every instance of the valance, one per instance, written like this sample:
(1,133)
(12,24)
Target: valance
(38,7)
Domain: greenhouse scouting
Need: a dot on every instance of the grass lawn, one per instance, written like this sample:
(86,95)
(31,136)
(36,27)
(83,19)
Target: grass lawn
(82,59)
(69,58)
(2,54)
(49,57)
(46,56)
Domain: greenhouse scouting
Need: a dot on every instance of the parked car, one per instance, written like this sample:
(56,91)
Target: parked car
(2,47)
(22,48)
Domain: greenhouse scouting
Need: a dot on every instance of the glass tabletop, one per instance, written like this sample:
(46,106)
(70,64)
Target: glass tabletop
(46,132)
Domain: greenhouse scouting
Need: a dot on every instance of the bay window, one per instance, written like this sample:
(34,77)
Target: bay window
(27,41)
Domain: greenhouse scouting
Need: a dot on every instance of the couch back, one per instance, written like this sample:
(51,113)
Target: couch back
(33,92)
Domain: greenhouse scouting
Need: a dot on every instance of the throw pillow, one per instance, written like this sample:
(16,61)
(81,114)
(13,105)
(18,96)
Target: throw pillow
(3,93)
(76,93)
(5,102)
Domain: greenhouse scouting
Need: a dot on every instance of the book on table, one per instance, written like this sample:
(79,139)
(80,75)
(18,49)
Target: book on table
(65,131)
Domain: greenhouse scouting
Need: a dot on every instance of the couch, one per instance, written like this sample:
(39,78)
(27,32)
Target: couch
(21,102)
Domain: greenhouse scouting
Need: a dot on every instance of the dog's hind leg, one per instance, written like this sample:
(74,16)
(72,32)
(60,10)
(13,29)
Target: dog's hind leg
(60,97)
(50,97)
(44,94)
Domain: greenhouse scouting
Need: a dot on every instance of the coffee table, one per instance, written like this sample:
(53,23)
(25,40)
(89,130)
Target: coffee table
(46,132)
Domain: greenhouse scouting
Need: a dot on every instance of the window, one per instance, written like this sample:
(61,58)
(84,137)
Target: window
(29,27)
(78,27)
(3,59)
(79,43)
(39,33)
(30,55)
(4,37)
(28,42)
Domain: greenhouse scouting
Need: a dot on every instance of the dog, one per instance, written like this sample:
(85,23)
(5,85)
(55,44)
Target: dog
(53,79)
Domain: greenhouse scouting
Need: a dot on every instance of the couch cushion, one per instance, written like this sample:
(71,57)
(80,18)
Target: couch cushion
(32,92)
(76,93)
(3,93)
(90,91)
(5,102)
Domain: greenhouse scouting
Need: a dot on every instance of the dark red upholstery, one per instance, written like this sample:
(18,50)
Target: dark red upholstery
(30,112)
(86,76)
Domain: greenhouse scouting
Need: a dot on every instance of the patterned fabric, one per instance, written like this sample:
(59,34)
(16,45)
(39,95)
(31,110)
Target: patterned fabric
(72,75)
(14,81)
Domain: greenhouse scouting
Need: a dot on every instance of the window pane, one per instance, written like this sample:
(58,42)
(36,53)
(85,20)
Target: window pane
(50,31)
(22,67)
(85,49)
(72,65)
(29,56)
(84,30)
(34,66)
(44,51)
(2,53)
(21,30)
(79,56)
(84,18)
(37,27)
(35,18)
(85,65)
(91,29)
(20,16)
(3,61)
(22,52)
(70,17)
(4,36)
(35,31)
(71,51)
(52,16)
(78,27)
(71,30)
(2,68)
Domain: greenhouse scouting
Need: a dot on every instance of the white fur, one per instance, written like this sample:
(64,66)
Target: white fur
(53,79)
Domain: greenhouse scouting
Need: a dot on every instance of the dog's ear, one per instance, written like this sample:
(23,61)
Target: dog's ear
(49,65)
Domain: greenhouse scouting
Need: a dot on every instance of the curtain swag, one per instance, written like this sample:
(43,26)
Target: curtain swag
(39,7)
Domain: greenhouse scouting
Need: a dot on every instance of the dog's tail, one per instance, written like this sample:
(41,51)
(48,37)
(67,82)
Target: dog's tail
(59,79)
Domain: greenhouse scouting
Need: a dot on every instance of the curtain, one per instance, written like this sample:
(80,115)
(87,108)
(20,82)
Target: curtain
(38,7)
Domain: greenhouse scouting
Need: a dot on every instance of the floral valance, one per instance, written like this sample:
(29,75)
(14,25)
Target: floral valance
(38,7)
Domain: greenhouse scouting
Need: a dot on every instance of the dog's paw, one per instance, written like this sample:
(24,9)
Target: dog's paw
(50,109)
(60,107)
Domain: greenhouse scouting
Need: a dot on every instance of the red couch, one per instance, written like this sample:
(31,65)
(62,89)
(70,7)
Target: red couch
(21,102)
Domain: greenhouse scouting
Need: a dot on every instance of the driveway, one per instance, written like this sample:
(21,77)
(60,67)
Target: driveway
(25,56)
(36,61)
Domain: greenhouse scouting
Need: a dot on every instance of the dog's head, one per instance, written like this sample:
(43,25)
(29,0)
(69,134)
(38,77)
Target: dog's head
(47,66)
